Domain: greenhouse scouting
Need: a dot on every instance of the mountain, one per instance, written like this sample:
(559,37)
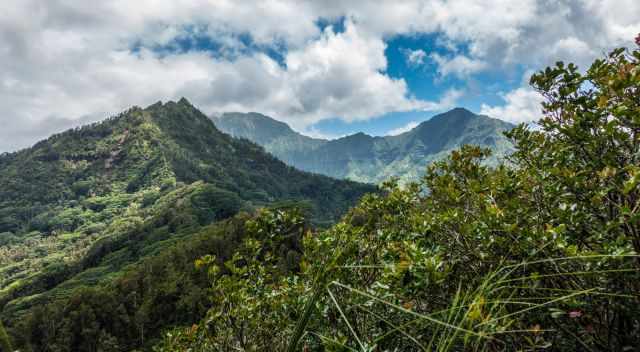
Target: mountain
(275,136)
(365,158)
(79,207)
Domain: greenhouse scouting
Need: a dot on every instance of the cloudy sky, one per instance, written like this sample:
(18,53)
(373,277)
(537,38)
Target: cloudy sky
(325,67)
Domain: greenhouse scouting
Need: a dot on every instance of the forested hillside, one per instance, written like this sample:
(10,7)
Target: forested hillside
(364,158)
(320,176)
(538,254)
(81,207)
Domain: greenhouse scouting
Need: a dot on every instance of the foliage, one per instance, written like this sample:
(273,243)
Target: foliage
(591,149)
(81,208)
(167,289)
(250,288)
(131,310)
(541,253)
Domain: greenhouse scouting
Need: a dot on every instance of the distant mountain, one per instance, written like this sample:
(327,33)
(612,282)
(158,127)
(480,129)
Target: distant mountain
(364,158)
(77,208)
(275,136)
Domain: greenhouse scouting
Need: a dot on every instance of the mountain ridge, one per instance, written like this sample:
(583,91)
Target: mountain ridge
(79,206)
(373,159)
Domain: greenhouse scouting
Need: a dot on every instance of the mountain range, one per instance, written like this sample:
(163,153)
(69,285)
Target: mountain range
(155,230)
(143,194)
(364,158)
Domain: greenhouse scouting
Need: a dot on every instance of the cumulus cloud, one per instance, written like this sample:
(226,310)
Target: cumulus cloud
(402,129)
(318,81)
(67,62)
(521,105)
(63,76)
(328,82)
(459,65)
(448,100)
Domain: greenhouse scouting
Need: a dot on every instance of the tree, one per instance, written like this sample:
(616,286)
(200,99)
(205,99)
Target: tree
(587,153)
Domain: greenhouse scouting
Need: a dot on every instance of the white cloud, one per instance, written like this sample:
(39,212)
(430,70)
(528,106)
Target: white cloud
(459,65)
(521,105)
(415,57)
(313,132)
(319,82)
(65,78)
(572,47)
(447,101)
(402,129)
(327,82)
(65,62)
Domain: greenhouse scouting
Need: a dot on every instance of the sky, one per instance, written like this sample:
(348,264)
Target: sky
(327,68)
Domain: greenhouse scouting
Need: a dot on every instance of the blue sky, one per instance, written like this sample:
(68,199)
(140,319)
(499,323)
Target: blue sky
(422,77)
(424,82)
(326,68)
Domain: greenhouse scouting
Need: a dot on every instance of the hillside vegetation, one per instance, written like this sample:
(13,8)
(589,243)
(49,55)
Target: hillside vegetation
(539,254)
(81,208)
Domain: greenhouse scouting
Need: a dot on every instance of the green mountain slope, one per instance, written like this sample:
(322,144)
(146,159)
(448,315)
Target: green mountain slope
(365,158)
(77,208)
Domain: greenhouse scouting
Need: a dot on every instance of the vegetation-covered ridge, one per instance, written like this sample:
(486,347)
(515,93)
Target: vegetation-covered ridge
(538,254)
(370,159)
(80,207)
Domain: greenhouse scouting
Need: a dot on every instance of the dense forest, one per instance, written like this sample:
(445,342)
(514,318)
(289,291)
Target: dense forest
(83,208)
(538,253)
(133,310)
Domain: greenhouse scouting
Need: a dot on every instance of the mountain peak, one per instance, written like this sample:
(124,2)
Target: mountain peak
(130,185)
(252,117)
(141,148)
(457,112)
(454,117)
(159,104)
(460,109)
(360,134)
(184,101)
(260,128)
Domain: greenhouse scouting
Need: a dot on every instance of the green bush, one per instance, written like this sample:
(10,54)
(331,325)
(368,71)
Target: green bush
(8,238)
(81,188)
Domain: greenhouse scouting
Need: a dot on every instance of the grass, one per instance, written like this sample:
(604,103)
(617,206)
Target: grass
(476,318)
